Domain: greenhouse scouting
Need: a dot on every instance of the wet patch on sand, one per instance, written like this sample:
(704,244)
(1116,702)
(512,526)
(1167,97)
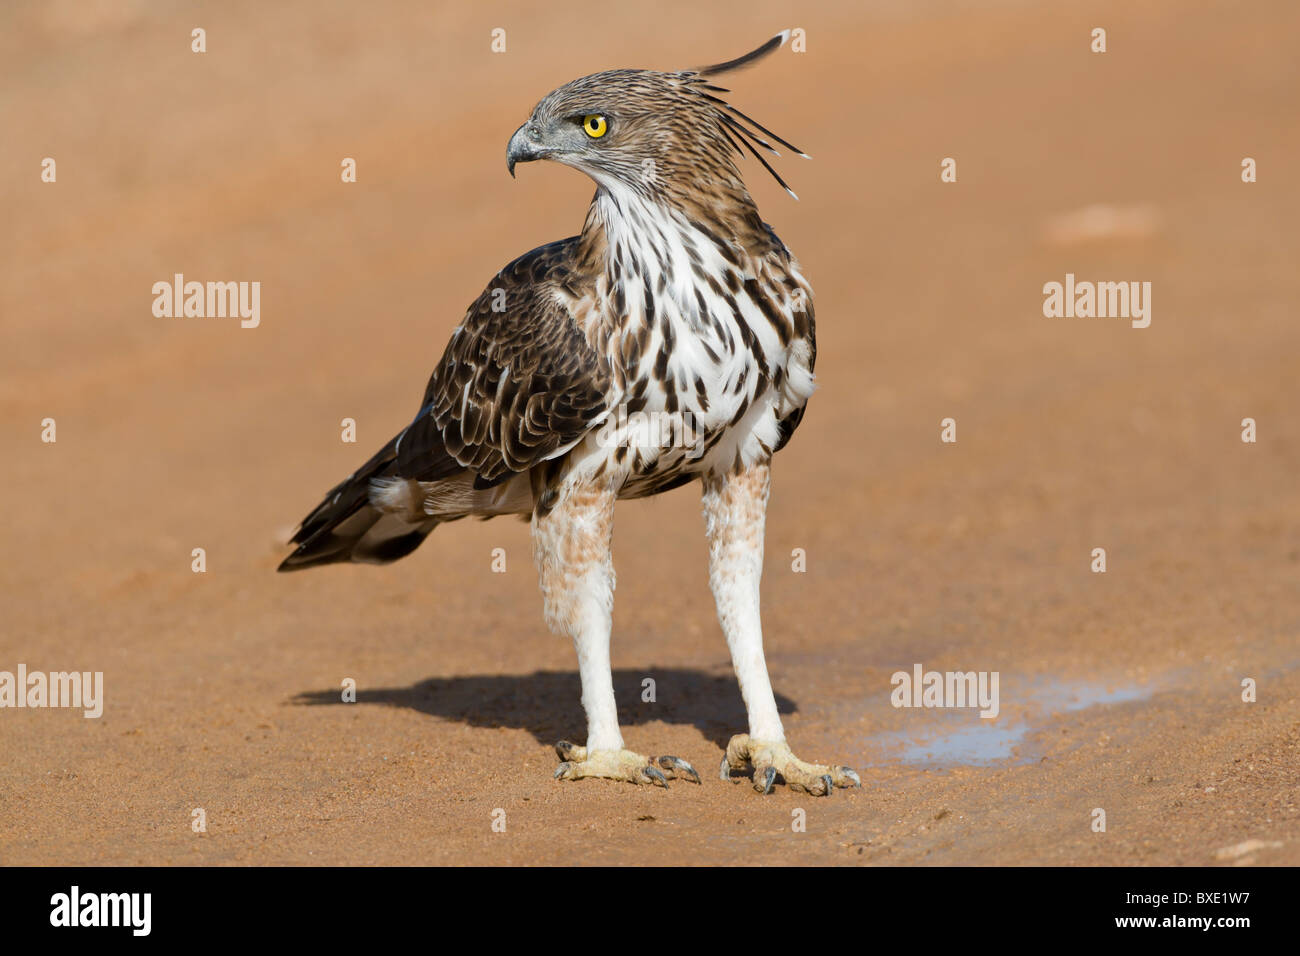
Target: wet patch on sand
(950,738)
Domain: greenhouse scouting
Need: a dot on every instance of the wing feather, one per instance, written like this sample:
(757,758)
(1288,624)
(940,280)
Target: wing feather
(518,383)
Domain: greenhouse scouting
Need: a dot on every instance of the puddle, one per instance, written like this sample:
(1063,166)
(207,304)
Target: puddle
(992,742)
(962,738)
(1080,696)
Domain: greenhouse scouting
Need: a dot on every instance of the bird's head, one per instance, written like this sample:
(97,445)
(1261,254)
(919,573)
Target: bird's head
(651,132)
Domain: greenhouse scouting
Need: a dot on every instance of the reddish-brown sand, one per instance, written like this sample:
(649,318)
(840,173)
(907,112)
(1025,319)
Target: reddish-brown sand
(1120,691)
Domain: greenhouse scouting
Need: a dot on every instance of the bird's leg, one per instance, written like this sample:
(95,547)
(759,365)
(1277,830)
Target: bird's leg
(735,508)
(571,545)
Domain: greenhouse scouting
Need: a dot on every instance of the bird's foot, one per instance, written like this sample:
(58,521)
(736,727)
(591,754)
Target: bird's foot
(772,758)
(620,765)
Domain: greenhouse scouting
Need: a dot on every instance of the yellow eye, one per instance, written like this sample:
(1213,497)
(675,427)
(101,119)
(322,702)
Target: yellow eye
(595,125)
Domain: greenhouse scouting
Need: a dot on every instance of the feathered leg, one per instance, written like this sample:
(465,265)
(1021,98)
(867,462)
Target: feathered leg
(735,510)
(571,545)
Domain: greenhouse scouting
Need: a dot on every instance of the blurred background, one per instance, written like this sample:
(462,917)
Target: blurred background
(175,434)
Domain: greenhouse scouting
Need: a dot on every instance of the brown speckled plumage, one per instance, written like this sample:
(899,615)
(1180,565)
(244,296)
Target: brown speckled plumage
(672,340)
(599,325)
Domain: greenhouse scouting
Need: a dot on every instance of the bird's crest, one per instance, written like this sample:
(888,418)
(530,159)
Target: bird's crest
(737,127)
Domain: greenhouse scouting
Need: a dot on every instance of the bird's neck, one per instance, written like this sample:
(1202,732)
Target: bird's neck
(642,241)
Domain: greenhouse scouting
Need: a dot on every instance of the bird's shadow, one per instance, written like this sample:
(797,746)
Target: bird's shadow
(546,703)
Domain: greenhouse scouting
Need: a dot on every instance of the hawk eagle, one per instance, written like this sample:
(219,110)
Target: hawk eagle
(670,341)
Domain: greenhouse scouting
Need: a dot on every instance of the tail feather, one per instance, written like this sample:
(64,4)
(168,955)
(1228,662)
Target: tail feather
(388,506)
(347,527)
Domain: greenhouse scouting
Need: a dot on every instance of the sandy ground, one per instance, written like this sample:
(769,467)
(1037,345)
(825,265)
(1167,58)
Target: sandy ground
(1120,691)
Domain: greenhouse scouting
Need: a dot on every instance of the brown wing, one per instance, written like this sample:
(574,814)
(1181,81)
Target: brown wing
(518,382)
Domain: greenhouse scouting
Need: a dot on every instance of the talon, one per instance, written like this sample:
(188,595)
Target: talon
(848,774)
(772,758)
(678,765)
(567,750)
(579,763)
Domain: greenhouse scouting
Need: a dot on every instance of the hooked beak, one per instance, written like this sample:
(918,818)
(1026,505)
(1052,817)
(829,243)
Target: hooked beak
(523,148)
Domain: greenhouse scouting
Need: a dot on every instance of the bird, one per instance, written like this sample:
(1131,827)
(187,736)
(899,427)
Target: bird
(671,341)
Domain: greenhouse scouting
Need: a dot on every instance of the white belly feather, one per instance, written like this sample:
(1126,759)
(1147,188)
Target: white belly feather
(739,405)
